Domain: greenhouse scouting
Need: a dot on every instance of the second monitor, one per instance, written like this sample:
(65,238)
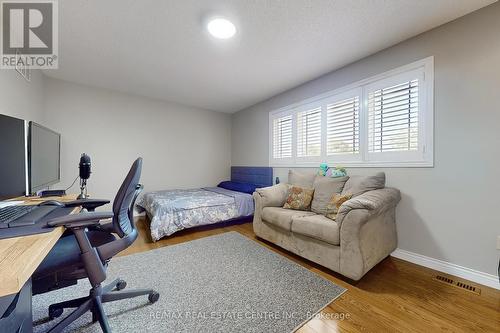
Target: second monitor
(44,157)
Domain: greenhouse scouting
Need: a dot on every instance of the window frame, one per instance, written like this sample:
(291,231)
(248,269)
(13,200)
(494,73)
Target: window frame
(423,157)
(306,159)
(348,158)
(288,160)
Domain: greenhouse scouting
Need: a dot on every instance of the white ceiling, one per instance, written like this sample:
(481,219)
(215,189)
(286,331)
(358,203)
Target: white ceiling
(160,49)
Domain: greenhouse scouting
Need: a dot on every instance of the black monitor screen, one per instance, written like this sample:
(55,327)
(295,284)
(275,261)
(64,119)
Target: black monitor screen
(44,157)
(12,157)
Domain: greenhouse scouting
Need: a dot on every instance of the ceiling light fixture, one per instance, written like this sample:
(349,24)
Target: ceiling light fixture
(221,28)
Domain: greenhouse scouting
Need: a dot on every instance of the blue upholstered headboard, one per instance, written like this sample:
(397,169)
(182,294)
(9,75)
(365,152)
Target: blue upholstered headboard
(260,176)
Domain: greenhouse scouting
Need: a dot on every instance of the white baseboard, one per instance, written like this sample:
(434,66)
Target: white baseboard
(449,268)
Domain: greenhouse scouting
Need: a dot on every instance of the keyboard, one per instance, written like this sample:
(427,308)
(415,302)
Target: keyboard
(11,213)
(18,216)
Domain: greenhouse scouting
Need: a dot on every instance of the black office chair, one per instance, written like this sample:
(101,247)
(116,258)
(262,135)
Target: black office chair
(86,252)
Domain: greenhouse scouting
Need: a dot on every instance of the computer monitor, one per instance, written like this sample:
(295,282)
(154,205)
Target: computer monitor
(13,157)
(44,151)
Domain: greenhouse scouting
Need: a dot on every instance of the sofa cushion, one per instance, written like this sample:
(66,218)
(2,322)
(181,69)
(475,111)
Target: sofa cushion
(301,179)
(357,185)
(282,217)
(273,196)
(334,205)
(299,198)
(318,227)
(324,189)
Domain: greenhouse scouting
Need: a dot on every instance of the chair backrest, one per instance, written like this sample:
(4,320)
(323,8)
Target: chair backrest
(123,205)
(123,209)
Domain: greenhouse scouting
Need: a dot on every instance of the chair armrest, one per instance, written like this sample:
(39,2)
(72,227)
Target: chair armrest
(89,255)
(80,220)
(89,204)
(272,196)
(372,201)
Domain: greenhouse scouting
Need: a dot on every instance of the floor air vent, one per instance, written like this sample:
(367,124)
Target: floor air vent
(458,284)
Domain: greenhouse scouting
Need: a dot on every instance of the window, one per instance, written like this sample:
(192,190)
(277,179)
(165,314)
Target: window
(282,137)
(386,120)
(342,127)
(393,118)
(309,133)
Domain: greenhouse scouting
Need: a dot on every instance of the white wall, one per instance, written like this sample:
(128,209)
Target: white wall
(449,212)
(20,98)
(182,147)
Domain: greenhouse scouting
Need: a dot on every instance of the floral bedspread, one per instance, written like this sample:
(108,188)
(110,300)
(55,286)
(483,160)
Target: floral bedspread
(174,210)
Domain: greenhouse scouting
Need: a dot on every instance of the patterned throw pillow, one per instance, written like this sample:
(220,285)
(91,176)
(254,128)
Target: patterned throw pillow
(299,198)
(335,202)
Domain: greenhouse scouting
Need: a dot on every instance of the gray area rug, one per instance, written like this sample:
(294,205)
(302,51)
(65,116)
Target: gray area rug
(223,283)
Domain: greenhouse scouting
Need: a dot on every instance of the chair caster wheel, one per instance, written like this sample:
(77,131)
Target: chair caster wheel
(153,297)
(55,313)
(121,285)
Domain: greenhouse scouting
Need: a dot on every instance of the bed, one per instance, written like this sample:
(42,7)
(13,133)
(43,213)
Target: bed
(173,210)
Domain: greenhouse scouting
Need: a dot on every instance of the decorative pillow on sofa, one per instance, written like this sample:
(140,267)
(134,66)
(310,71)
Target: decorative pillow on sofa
(324,189)
(357,185)
(301,179)
(299,198)
(333,206)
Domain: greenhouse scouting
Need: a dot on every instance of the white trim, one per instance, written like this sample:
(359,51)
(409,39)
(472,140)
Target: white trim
(473,275)
(424,157)
(355,164)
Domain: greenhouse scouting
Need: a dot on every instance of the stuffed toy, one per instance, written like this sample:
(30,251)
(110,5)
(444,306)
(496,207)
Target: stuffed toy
(337,172)
(323,168)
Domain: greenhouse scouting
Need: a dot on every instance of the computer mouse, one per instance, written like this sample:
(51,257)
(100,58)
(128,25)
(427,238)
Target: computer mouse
(52,203)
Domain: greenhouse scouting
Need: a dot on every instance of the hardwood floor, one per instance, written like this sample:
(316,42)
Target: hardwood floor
(395,296)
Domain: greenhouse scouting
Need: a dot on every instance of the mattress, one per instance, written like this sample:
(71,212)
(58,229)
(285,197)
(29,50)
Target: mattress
(174,210)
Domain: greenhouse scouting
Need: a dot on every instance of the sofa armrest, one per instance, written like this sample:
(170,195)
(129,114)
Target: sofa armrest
(373,201)
(367,230)
(272,196)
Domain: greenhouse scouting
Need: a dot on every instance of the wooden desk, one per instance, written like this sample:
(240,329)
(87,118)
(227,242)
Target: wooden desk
(20,256)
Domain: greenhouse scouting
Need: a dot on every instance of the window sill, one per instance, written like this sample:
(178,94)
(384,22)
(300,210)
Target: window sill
(414,164)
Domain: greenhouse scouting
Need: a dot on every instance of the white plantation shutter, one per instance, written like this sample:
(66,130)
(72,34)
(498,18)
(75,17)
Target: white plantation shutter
(309,133)
(342,127)
(282,137)
(393,118)
(383,121)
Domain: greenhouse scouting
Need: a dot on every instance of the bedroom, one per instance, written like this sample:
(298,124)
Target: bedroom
(193,106)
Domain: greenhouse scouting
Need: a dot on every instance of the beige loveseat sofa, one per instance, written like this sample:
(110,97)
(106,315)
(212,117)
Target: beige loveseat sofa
(363,233)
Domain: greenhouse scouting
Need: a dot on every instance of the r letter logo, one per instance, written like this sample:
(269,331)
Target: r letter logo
(29,34)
